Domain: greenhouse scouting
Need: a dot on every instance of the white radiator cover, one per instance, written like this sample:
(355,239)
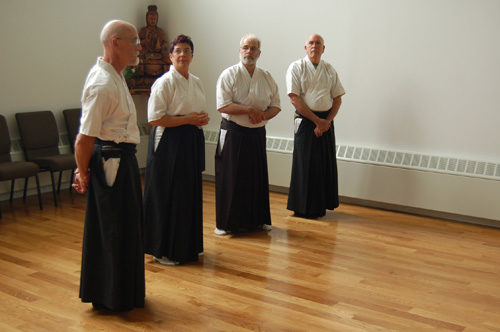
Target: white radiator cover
(436,183)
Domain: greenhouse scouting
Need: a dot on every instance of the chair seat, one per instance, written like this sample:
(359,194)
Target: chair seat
(17,169)
(58,162)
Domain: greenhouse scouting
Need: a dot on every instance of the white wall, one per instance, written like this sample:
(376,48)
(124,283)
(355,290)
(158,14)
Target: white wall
(420,75)
(48,48)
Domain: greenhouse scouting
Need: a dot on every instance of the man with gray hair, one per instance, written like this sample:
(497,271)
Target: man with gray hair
(112,275)
(316,93)
(247,97)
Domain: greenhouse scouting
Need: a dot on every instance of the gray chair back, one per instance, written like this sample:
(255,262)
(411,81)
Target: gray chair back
(72,120)
(39,134)
(4,140)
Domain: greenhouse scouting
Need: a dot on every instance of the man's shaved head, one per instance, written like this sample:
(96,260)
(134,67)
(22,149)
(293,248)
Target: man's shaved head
(315,46)
(313,36)
(115,28)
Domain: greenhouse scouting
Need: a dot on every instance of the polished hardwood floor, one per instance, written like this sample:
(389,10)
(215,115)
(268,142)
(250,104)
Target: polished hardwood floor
(357,269)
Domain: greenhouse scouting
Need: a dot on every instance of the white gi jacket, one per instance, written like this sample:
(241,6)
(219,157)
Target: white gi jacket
(235,85)
(316,86)
(108,110)
(172,94)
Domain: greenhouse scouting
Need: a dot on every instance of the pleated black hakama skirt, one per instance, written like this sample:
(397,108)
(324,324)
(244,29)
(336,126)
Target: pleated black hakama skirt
(173,194)
(241,177)
(112,272)
(314,182)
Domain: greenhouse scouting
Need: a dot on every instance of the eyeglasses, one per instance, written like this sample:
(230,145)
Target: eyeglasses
(315,43)
(251,48)
(135,41)
(186,51)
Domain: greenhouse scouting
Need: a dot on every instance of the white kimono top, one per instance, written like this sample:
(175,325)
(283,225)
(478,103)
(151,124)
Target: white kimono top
(172,94)
(235,85)
(316,86)
(108,110)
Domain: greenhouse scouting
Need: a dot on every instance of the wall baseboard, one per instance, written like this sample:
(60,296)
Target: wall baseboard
(441,194)
(395,207)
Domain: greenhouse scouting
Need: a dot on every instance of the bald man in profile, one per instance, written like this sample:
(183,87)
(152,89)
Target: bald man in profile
(112,275)
(316,93)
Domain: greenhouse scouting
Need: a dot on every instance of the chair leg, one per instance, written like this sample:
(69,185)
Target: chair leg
(12,190)
(25,189)
(38,190)
(53,188)
(59,184)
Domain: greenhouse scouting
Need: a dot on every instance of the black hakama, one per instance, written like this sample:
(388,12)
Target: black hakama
(314,183)
(173,194)
(112,273)
(241,179)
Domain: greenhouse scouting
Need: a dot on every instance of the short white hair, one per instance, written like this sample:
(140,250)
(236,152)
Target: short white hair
(250,36)
(115,28)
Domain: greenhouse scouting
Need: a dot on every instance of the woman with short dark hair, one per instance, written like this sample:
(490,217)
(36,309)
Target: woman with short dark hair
(176,159)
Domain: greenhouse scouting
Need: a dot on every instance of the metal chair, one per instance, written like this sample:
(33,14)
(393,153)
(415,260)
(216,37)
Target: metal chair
(12,170)
(40,139)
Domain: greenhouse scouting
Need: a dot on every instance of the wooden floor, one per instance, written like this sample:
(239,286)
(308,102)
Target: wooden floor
(358,269)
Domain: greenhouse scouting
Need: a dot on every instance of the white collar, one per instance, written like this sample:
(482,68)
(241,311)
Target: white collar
(310,64)
(109,68)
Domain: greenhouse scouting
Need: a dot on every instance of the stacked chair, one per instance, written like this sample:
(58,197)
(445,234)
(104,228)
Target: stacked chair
(12,170)
(40,140)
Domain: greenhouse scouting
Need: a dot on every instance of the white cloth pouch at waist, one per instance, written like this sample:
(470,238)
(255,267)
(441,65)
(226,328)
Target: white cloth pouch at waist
(222,139)
(110,167)
(297,124)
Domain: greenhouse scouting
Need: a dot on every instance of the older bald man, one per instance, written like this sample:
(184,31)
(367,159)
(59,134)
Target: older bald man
(112,275)
(316,93)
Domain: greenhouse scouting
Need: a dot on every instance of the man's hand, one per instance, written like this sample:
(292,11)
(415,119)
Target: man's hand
(199,119)
(84,145)
(81,181)
(256,115)
(322,125)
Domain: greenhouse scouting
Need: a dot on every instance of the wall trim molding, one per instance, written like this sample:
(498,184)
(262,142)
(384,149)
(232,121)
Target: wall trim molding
(361,154)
